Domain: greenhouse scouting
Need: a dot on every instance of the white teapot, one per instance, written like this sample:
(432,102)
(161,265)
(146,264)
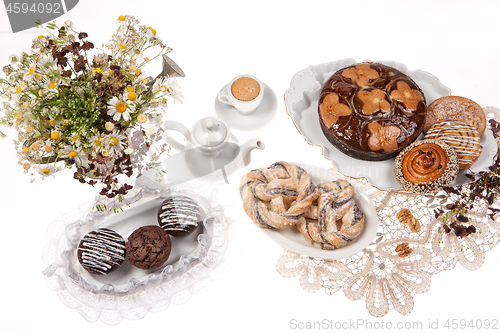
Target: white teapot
(209,146)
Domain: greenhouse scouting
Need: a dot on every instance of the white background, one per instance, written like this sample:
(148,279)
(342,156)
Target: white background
(213,41)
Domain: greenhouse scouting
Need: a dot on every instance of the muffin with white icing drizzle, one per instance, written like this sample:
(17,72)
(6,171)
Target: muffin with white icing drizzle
(101,251)
(179,215)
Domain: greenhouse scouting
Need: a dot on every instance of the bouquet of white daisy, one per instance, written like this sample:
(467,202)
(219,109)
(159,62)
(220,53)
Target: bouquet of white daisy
(95,112)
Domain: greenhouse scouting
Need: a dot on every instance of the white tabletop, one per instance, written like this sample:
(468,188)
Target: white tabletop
(213,41)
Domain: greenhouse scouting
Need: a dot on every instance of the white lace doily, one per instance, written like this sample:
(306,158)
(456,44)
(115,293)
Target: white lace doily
(174,284)
(378,275)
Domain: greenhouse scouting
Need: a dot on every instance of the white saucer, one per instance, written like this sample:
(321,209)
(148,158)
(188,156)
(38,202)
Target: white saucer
(260,118)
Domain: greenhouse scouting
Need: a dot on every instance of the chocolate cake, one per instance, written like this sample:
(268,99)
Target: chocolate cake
(179,215)
(371,111)
(101,251)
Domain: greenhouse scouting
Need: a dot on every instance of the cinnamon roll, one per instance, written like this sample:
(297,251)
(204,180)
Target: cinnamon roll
(426,166)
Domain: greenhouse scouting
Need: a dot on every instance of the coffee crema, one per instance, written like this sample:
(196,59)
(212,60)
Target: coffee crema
(245,89)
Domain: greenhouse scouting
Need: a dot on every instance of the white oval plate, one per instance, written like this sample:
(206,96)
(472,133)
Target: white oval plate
(301,101)
(291,239)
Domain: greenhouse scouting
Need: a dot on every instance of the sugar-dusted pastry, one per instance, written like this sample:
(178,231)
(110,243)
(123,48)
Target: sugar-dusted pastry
(371,111)
(101,251)
(179,215)
(339,219)
(461,136)
(426,166)
(148,247)
(455,108)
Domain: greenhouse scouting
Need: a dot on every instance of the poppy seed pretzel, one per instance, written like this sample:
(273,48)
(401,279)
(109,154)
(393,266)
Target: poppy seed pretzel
(277,197)
(335,203)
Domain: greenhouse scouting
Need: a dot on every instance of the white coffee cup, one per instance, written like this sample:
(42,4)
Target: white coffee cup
(244,107)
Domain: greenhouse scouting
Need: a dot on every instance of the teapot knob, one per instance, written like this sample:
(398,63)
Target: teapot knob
(209,125)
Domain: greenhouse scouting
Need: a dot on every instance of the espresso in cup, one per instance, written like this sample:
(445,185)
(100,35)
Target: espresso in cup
(245,89)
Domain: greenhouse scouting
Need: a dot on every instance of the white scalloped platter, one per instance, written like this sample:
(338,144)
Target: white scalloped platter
(301,101)
(291,239)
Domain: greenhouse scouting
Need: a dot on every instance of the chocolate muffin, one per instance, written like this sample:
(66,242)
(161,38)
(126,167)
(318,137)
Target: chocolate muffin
(101,251)
(179,215)
(148,247)
(371,111)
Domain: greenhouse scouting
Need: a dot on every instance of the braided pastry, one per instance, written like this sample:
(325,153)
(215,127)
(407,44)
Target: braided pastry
(460,136)
(278,196)
(339,219)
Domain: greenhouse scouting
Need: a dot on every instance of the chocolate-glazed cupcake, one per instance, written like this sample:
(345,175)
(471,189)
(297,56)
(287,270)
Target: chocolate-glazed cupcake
(101,251)
(148,247)
(179,215)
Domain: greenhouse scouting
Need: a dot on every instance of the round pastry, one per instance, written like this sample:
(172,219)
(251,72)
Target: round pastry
(101,251)
(277,197)
(371,111)
(455,108)
(179,215)
(339,219)
(148,247)
(426,166)
(461,136)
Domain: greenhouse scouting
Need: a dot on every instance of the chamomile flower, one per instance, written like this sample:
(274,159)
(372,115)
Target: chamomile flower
(120,108)
(142,118)
(72,152)
(51,86)
(116,142)
(160,86)
(48,169)
(174,90)
(30,71)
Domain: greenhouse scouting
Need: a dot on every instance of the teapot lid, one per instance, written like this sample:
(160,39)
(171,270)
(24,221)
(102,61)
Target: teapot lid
(210,132)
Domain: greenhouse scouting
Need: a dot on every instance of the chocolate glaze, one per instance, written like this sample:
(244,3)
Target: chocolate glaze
(350,133)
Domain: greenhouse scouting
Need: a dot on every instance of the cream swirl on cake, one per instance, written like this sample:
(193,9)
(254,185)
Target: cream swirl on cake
(101,251)
(179,215)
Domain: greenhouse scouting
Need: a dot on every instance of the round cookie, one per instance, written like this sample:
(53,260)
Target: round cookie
(101,251)
(371,111)
(179,215)
(455,108)
(148,247)
(461,136)
(426,166)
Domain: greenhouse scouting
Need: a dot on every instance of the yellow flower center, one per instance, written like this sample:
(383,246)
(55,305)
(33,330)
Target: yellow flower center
(40,37)
(121,107)
(52,85)
(19,89)
(138,73)
(26,149)
(55,135)
(45,171)
(52,122)
(122,46)
(74,138)
(98,141)
(153,31)
(130,89)
(26,166)
(121,18)
(113,141)
(18,115)
(72,154)
(31,71)
(163,88)
(132,96)
(38,77)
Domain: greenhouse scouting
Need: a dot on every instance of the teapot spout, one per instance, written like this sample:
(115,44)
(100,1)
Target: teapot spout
(243,159)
